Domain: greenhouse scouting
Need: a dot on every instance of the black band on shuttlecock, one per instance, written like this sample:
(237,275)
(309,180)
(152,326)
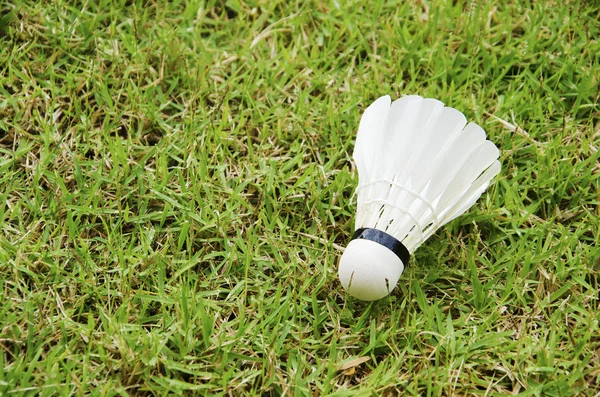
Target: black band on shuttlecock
(388,241)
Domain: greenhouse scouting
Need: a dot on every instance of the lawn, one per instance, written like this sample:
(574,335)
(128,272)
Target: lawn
(176,186)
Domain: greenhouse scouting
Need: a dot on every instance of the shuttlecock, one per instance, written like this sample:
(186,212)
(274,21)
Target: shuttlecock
(420,165)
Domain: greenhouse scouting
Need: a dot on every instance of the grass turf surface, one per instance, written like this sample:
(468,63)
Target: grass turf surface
(175,178)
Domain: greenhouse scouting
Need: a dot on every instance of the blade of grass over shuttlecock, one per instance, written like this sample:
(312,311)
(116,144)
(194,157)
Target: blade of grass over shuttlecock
(175,178)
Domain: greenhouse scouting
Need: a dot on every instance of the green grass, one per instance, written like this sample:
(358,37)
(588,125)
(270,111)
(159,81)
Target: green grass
(175,178)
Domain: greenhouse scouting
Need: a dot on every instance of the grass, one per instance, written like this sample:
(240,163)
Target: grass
(175,178)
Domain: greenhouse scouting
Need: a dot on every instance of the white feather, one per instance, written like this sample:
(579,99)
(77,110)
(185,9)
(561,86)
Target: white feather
(420,166)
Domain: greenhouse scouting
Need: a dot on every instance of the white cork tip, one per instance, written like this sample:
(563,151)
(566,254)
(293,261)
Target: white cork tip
(369,271)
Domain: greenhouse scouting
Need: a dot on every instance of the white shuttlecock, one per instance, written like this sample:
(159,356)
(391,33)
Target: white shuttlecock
(420,165)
